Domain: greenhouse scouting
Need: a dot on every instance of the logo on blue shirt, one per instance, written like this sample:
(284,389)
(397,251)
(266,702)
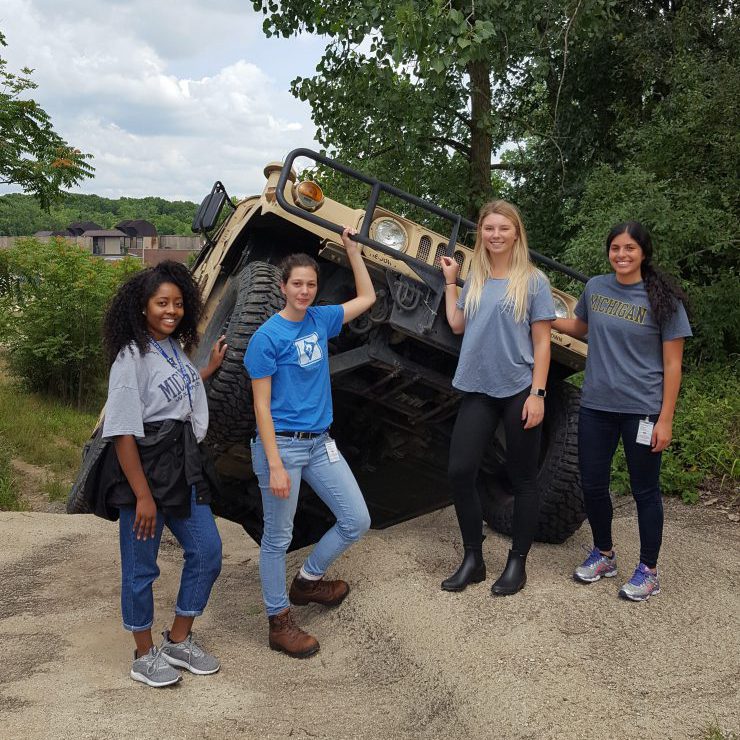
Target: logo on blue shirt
(309,349)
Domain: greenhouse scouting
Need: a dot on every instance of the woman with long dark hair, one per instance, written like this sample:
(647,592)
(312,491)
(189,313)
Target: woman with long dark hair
(155,415)
(636,322)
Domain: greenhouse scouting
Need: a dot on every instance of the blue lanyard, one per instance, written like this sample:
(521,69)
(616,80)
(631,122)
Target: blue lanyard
(185,377)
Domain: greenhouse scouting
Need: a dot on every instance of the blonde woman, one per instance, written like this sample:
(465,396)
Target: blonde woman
(504,311)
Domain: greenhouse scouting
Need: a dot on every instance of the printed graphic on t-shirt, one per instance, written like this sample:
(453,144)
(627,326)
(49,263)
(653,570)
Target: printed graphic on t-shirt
(620,309)
(309,349)
(174,389)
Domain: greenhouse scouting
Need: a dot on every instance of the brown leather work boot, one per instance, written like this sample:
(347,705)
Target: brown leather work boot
(287,637)
(328,593)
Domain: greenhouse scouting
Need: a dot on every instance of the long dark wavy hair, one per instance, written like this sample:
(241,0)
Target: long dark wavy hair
(664,293)
(125,322)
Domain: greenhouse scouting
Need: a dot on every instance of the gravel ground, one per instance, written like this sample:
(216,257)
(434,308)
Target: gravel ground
(399,659)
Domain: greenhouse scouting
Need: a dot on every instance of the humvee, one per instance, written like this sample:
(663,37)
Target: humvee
(391,368)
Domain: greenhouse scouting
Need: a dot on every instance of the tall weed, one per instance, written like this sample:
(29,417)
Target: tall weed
(9,498)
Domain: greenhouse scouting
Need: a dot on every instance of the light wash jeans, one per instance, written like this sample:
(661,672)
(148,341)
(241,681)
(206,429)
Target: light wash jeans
(201,543)
(333,483)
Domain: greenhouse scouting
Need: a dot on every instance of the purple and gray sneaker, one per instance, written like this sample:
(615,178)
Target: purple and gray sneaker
(595,566)
(643,584)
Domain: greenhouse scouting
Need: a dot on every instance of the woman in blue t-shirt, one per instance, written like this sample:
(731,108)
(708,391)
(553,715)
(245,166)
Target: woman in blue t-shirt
(504,310)
(288,362)
(636,324)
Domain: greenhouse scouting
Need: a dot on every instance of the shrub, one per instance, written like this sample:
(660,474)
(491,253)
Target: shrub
(706,430)
(52,299)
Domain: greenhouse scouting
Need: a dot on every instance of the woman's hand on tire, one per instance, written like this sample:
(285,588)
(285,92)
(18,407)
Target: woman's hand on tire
(218,351)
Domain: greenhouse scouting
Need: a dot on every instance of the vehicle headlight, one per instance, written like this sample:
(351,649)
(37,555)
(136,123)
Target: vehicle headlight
(561,307)
(389,232)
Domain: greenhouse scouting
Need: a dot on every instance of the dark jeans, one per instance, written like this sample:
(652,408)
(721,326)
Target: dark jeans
(476,422)
(598,436)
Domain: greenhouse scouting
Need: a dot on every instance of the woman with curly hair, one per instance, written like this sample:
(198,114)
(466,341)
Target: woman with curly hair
(156,414)
(636,324)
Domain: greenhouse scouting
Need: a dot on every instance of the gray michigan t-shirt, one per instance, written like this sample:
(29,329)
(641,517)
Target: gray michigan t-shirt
(624,367)
(497,355)
(147,388)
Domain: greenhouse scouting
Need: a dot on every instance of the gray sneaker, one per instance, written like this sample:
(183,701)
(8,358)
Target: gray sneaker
(643,584)
(153,670)
(595,566)
(189,655)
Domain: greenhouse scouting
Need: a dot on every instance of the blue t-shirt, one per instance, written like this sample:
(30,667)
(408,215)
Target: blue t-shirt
(624,366)
(497,354)
(296,355)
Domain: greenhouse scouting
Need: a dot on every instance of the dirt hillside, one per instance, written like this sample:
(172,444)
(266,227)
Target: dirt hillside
(399,659)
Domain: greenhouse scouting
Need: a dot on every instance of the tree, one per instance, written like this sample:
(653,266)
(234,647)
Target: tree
(678,168)
(419,90)
(32,154)
(605,110)
(21,215)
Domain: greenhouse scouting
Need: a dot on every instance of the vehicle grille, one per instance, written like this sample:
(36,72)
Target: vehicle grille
(425,247)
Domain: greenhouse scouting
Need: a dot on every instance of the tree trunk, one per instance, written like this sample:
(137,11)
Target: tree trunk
(481,141)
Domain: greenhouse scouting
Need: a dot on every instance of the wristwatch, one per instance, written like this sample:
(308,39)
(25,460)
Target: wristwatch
(539,392)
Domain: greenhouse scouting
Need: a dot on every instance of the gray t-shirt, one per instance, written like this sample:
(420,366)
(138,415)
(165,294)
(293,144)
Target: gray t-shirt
(497,356)
(624,367)
(148,388)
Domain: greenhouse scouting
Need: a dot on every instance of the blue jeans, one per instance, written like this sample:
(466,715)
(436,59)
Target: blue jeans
(201,543)
(333,483)
(598,437)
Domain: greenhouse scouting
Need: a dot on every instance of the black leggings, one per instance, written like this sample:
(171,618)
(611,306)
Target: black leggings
(475,425)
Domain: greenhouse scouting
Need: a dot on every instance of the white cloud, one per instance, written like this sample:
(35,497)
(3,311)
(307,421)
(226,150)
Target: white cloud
(111,76)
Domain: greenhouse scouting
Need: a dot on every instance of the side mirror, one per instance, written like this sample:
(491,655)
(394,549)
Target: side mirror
(210,209)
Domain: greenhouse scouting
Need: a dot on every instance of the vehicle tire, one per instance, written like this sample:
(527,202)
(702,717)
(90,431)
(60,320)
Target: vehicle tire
(248,300)
(558,479)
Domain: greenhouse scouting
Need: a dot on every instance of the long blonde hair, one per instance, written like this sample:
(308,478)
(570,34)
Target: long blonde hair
(523,275)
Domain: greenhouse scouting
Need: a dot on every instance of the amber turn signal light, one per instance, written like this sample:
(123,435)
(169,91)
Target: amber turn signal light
(308,195)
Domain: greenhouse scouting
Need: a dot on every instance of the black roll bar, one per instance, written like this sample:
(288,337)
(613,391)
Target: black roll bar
(429,274)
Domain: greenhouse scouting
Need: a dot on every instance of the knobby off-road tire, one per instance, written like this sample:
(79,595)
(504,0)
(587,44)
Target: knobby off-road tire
(249,299)
(558,480)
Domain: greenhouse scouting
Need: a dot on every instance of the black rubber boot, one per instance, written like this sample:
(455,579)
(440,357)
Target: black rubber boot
(471,570)
(514,577)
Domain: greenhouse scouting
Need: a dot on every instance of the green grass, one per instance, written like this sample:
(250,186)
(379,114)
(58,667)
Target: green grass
(42,431)
(56,489)
(9,498)
(715,732)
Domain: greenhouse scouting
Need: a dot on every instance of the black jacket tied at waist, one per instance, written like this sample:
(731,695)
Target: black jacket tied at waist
(172,462)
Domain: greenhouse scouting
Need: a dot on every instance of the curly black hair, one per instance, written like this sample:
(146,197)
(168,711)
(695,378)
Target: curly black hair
(664,293)
(124,321)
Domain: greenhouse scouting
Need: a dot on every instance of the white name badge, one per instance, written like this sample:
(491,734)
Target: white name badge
(645,432)
(332,451)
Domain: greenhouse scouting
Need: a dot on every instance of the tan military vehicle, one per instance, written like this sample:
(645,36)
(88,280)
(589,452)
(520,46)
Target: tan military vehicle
(391,368)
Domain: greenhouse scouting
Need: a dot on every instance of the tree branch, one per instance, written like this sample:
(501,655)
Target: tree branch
(565,64)
(511,166)
(452,143)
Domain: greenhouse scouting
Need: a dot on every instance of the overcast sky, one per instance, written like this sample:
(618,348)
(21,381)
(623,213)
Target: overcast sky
(167,96)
